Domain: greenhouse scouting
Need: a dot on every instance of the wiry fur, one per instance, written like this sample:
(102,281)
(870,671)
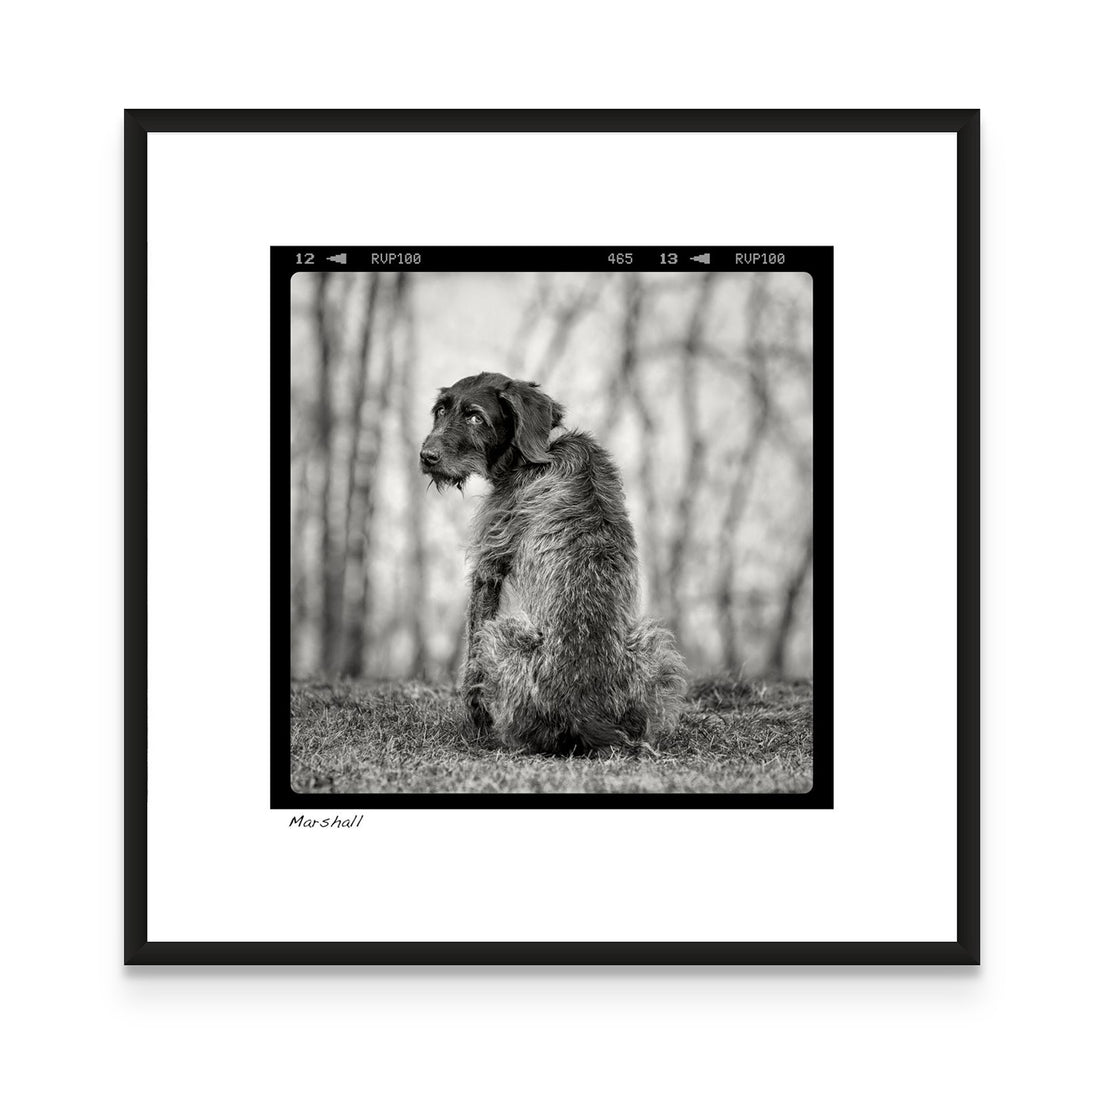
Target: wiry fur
(557,658)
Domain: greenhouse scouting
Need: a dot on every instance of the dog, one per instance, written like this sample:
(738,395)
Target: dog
(557,659)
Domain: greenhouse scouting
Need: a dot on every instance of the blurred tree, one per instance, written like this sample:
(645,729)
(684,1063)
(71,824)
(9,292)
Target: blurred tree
(695,447)
(416,587)
(323,439)
(699,383)
(796,582)
(737,497)
(625,392)
(366,412)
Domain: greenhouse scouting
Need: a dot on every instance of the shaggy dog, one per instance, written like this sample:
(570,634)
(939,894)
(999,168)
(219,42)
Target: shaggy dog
(557,659)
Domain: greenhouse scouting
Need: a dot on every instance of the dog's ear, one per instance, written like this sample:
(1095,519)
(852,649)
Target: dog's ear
(535,414)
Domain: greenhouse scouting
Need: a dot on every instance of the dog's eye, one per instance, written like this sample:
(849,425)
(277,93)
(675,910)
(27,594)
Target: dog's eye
(474,418)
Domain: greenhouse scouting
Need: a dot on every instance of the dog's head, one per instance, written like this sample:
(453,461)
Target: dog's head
(486,423)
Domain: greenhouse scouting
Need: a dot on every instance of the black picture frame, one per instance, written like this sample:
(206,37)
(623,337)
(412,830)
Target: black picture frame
(137,947)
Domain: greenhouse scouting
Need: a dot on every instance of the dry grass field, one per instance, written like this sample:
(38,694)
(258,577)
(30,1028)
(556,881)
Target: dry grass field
(393,738)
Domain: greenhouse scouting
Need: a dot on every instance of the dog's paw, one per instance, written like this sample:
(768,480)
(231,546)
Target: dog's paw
(479,722)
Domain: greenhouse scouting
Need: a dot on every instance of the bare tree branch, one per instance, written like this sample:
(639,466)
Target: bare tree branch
(568,315)
(626,390)
(516,358)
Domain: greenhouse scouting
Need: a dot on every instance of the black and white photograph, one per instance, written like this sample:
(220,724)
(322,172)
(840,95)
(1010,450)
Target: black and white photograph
(551,532)
(681,638)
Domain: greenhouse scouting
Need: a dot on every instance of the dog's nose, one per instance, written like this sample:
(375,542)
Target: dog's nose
(429,457)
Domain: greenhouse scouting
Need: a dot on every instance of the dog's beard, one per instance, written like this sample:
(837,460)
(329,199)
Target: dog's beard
(443,481)
(456,474)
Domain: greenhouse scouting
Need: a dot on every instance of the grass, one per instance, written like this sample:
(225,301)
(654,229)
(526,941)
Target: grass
(398,738)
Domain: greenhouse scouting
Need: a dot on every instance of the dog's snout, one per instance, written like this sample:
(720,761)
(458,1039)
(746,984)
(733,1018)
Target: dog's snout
(429,457)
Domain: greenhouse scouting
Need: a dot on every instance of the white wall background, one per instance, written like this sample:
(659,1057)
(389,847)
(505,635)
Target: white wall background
(1020,1022)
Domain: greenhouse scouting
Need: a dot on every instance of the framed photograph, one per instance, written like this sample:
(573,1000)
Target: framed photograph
(633,498)
(613,432)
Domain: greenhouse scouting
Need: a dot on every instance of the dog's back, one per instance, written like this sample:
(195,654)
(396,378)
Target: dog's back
(566,663)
